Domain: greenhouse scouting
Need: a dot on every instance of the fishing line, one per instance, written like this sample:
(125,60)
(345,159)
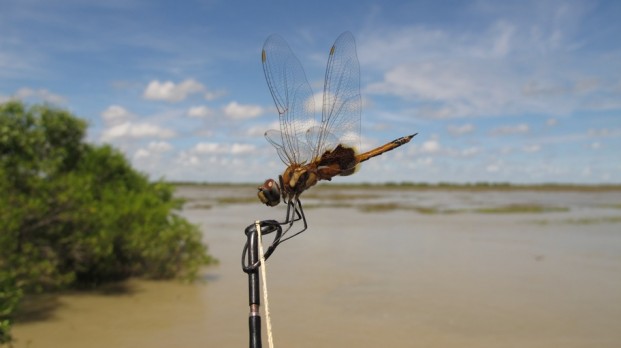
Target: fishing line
(268,321)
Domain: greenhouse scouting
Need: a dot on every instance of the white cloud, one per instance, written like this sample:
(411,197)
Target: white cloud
(492,168)
(425,161)
(601,132)
(586,171)
(18,58)
(140,130)
(159,146)
(116,114)
(209,148)
(532,148)
(43,94)
(434,147)
(259,130)
(238,111)
(200,111)
(455,88)
(232,110)
(153,149)
(122,124)
(171,92)
(460,130)
(502,33)
(506,150)
(188,159)
(470,151)
(315,102)
(551,122)
(220,148)
(515,129)
(212,95)
(242,148)
(517,65)
(431,146)
(136,130)
(142,153)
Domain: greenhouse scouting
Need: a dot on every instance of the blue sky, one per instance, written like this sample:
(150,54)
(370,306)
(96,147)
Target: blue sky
(523,91)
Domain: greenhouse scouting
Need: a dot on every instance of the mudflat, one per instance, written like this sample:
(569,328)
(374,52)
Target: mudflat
(389,267)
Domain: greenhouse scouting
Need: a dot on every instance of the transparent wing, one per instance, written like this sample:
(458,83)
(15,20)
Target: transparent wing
(340,118)
(275,138)
(293,98)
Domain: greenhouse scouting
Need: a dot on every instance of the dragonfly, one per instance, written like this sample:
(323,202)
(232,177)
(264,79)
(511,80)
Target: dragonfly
(314,148)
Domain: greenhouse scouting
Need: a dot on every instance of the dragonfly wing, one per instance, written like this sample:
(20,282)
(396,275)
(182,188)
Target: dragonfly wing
(275,138)
(340,116)
(293,98)
(329,140)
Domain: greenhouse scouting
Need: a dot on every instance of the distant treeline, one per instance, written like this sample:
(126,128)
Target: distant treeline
(437,186)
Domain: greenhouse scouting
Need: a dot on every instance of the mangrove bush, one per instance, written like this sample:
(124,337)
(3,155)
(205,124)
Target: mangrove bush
(74,214)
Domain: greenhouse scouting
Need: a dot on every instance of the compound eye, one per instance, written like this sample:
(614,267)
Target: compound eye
(269,193)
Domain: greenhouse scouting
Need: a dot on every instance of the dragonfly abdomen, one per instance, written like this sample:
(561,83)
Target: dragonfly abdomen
(384,148)
(340,161)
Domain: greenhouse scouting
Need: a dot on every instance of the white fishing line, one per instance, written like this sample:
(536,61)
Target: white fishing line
(268,321)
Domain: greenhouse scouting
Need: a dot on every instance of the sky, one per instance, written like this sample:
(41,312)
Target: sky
(511,91)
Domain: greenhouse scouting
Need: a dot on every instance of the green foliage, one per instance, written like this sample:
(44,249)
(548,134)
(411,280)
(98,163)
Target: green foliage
(75,214)
(10,294)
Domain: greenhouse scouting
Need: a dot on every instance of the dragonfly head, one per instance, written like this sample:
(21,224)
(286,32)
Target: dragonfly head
(269,193)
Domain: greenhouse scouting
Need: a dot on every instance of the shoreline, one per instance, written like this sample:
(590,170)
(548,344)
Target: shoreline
(476,186)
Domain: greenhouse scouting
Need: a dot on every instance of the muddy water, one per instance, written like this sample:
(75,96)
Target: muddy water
(396,278)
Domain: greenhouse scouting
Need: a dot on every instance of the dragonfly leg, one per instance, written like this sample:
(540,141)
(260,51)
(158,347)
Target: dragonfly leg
(301,215)
(297,210)
(294,213)
(290,218)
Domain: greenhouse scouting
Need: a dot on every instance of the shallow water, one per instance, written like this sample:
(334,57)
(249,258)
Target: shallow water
(396,278)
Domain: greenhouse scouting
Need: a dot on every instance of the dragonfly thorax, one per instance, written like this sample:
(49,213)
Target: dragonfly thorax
(297,178)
